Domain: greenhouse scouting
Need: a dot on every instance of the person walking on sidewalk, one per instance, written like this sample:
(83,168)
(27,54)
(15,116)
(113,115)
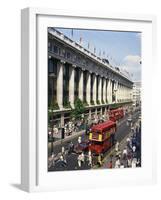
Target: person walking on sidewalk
(110,163)
(128,141)
(124,153)
(128,162)
(117,146)
(99,161)
(89,158)
(79,139)
(133,163)
(53,159)
(63,150)
(56,131)
(81,159)
(117,163)
(70,148)
(134,148)
(63,161)
(109,166)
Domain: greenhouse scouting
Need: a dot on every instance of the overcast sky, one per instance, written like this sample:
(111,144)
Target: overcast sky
(122,49)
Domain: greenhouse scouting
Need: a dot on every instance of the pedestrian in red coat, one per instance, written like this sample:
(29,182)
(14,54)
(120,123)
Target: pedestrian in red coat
(109,165)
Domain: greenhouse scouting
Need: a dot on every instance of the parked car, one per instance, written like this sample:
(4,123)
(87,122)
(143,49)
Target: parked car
(82,147)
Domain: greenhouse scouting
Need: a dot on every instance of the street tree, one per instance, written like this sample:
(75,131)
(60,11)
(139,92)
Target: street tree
(79,109)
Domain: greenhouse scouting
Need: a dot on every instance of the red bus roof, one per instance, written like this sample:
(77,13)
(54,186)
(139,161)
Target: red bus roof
(116,110)
(104,125)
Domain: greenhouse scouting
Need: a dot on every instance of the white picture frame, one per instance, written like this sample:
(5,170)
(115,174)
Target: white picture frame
(33,174)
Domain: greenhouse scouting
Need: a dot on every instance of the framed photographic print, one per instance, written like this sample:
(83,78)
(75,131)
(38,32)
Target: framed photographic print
(86,109)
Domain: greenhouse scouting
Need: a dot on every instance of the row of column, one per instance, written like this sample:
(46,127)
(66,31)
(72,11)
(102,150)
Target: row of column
(121,92)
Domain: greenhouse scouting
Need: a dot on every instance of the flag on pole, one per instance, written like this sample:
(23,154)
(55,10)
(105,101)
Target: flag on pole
(80,40)
(88,45)
(94,50)
(72,32)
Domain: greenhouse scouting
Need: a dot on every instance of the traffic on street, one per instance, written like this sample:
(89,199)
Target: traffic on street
(77,154)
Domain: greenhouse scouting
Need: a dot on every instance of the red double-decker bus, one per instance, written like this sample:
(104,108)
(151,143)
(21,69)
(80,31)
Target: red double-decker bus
(116,114)
(102,137)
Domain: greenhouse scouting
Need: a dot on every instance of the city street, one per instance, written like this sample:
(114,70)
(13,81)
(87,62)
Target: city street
(123,130)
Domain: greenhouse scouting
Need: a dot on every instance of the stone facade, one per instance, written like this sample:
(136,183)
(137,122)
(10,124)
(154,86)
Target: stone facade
(78,71)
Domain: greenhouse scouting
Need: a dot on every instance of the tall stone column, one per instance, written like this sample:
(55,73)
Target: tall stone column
(94,88)
(110,91)
(71,85)
(60,66)
(104,90)
(88,88)
(107,91)
(116,91)
(105,111)
(99,89)
(81,85)
(129,93)
(119,91)
(124,93)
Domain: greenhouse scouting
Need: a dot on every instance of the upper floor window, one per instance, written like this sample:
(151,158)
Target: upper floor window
(55,49)
(68,55)
(49,46)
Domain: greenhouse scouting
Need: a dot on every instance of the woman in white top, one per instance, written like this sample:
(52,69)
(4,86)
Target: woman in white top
(117,163)
(79,140)
(117,146)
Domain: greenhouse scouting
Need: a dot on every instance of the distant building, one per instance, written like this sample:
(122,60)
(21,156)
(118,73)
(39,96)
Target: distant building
(137,93)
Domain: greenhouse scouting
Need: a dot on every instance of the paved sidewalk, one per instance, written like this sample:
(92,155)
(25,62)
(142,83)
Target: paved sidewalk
(68,138)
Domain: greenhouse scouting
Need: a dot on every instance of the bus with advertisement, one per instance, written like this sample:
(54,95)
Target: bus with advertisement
(102,137)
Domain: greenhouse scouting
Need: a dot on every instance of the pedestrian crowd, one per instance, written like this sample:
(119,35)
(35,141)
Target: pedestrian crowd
(129,156)
(82,158)
(72,127)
